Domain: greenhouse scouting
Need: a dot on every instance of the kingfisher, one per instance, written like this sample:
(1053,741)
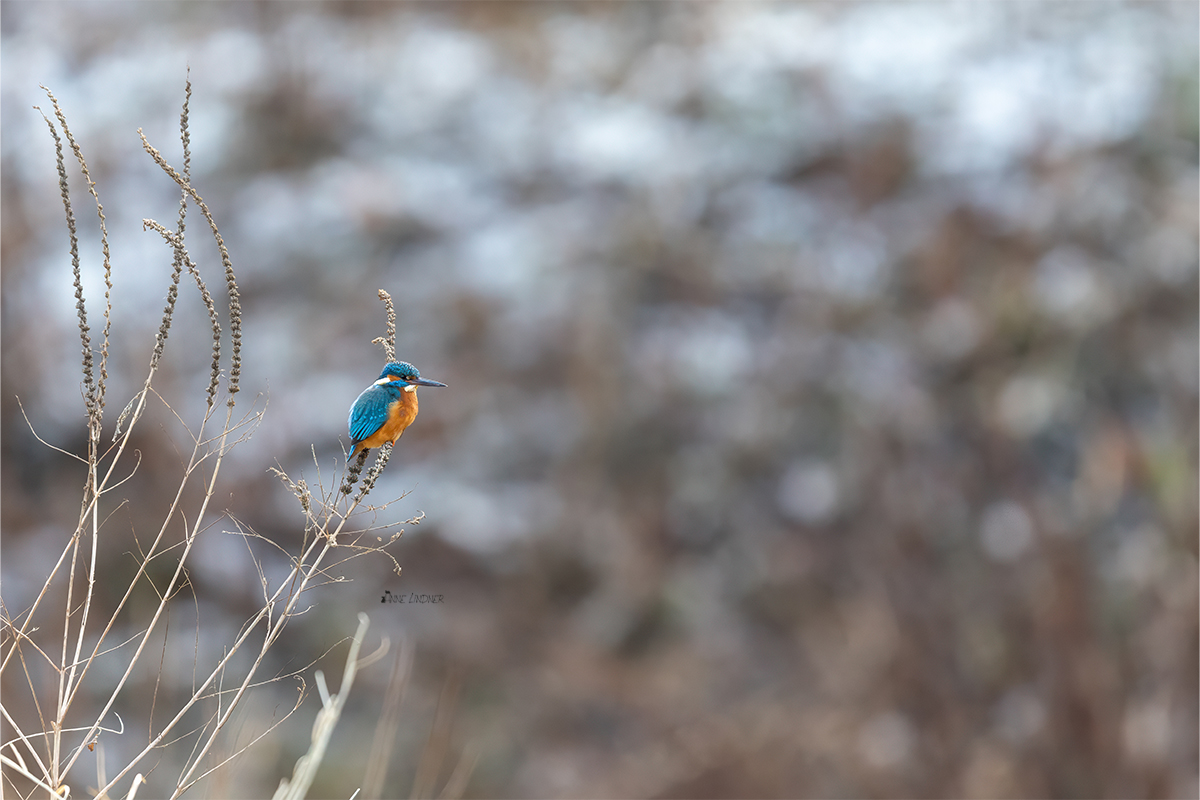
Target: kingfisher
(386,407)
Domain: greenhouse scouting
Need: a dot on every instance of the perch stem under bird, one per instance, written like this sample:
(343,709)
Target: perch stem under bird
(386,408)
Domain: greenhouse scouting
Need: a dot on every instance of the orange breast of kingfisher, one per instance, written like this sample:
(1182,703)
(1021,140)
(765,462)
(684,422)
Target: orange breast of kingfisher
(401,414)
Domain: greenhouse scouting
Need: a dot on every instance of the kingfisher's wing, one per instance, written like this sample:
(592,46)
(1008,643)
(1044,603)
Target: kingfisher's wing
(369,412)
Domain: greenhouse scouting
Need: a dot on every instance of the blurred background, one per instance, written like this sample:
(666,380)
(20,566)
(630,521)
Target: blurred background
(822,407)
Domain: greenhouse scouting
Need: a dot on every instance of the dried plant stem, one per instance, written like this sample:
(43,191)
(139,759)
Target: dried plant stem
(389,341)
(87,175)
(94,400)
(160,610)
(180,227)
(289,592)
(182,257)
(89,383)
(354,471)
(306,767)
(385,452)
(75,668)
(235,307)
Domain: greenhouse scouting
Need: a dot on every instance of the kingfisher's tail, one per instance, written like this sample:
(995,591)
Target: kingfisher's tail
(353,452)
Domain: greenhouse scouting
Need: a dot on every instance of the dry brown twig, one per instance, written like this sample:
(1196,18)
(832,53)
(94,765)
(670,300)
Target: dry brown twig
(388,341)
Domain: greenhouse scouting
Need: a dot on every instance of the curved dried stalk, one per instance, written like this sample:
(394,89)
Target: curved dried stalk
(98,399)
(235,306)
(305,770)
(388,341)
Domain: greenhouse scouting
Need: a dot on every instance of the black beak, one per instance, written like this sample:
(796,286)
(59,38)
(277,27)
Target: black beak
(424,382)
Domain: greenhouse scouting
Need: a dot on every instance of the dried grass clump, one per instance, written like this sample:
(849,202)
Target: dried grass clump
(59,703)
